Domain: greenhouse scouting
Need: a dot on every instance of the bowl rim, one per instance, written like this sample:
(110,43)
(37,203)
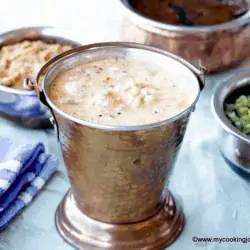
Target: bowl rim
(226,88)
(236,23)
(103,45)
(38,30)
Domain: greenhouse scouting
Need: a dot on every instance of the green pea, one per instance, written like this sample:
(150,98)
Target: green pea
(246,129)
(230,107)
(232,116)
(245,120)
(238,125)
(241,111)
(242,101)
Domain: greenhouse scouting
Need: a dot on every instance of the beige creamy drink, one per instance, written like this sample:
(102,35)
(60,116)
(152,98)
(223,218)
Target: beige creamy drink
(119,91)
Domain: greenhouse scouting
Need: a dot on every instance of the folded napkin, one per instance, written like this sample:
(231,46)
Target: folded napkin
(28,106)
(21,178)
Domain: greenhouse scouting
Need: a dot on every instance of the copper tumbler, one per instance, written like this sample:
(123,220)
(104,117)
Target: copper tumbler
(118,197)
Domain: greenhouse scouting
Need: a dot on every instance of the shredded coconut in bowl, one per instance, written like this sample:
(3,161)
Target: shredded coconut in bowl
(25,59)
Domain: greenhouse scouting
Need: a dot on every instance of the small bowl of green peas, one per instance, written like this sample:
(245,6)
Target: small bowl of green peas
(238,112)
(231,108)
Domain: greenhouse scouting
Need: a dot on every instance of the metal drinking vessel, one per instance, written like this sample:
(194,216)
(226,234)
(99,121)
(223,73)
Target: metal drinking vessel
(119,174)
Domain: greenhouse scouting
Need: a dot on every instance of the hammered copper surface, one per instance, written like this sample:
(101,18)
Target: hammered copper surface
(119,175)
(113,173)
(85,233)
(215,50)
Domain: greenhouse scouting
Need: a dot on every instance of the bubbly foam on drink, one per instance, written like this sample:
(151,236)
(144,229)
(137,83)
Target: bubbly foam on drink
(120,91)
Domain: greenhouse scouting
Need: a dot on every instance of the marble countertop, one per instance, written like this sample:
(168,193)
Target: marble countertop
(215,200)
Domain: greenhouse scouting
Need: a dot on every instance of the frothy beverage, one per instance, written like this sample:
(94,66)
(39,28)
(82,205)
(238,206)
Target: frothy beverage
(120,91)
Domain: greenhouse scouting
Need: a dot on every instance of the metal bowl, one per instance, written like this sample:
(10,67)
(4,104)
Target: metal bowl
(234,145)
(216,47)
(10,98)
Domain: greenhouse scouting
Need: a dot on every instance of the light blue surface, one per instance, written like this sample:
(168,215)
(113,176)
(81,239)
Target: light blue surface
(215,200)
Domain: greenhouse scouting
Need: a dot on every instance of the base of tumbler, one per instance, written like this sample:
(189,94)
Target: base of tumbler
(85,233)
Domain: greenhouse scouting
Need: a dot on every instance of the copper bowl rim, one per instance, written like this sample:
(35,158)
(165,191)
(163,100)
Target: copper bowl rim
(38,30)
(66,56)
(236,23)
(218,100)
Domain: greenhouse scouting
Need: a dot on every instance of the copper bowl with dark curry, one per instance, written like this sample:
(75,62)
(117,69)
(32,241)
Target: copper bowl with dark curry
(211,33)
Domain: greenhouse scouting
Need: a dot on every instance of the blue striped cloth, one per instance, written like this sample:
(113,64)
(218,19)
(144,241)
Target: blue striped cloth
(21,178)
